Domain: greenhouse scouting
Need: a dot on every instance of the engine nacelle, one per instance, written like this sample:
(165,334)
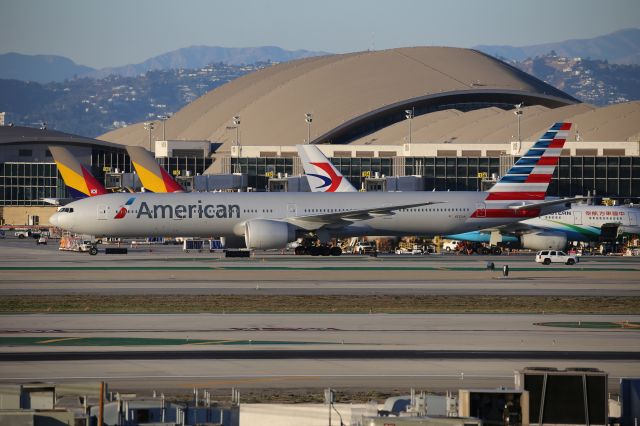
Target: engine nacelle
(268,234)
(544,241)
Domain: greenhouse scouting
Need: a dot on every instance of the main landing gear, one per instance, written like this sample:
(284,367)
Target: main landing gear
(318,250)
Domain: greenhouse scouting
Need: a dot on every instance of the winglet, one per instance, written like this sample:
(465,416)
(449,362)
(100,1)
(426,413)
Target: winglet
(78,179)
(153,177)
(321,174)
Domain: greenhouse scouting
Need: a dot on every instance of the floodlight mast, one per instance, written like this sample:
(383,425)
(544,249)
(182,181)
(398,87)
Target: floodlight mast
(308,117)
(149,125)
(518,113)
(409,116)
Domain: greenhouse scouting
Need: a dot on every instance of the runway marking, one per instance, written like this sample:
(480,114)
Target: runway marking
(227,341)
(617,325)
(63,339)
(141,341)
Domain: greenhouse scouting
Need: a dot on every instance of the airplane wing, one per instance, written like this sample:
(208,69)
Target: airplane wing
(317,221)
(547,203)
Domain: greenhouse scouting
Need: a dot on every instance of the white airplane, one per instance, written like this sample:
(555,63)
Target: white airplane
(582,222)
(321,174)
(273,219)
(552,231)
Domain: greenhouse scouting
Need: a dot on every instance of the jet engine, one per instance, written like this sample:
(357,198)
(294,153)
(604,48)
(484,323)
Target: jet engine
(268,234)
(544,240)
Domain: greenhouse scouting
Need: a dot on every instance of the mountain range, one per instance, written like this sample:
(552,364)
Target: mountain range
(620,47)
(39,68)
(51,68)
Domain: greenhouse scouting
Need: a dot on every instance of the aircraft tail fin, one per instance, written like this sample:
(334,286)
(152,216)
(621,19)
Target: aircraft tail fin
(152,176)
(322,175)
(528,179)
(79,180)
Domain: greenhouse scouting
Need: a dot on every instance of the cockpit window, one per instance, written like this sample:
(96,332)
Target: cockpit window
(66,210)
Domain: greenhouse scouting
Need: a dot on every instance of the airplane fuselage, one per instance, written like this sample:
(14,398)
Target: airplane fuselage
(225,214)
(584,222)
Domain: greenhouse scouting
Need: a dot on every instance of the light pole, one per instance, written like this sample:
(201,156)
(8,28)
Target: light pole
(149,125)
(409,116)
(518,113)
(164,118)
(308,118)
(236,123)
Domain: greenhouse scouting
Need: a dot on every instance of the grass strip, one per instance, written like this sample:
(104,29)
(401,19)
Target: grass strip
(317,304)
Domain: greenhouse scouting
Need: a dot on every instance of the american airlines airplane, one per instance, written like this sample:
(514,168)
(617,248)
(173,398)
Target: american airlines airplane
(271,220)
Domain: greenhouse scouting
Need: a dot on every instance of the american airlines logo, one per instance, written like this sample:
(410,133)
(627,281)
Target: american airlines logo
(122,211)
(188,211)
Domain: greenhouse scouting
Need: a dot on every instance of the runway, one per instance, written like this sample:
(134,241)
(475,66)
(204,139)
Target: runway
(278,350)
(164,270)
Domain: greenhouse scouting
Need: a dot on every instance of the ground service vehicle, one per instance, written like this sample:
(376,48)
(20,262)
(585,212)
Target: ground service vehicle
(548,257)
(450,246)
(364,247)
(414,250)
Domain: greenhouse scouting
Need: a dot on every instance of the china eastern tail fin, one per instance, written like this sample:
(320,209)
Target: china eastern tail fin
(78,179)
(321,174)
(528,179)
(153,177)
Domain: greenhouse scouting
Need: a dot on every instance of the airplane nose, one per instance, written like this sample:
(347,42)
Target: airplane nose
(54,219)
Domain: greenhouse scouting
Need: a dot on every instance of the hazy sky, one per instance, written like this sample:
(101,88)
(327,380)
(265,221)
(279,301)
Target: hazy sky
(101,33)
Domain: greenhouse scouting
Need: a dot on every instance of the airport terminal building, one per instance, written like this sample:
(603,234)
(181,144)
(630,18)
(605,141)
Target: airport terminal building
(422,118)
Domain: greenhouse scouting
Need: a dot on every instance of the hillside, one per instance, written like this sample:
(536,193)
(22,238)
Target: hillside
(49,68)
(620,47)
(91,107)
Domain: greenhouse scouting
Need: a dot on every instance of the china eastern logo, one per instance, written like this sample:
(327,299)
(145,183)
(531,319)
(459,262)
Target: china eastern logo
(122,211)
(331,182)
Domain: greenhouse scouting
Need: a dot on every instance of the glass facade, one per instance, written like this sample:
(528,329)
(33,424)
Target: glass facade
(25,184)
(452,173)
(607,176)
(108,160)
(260,169)
(178,166)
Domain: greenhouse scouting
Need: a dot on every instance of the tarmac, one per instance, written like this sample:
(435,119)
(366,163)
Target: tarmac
(357,351)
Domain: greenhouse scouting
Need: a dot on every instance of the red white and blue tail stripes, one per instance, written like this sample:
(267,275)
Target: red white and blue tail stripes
(529,177)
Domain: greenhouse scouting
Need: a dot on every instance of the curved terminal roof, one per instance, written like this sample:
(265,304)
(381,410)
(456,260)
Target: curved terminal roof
(19,134)
(619,122)
(348,95)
